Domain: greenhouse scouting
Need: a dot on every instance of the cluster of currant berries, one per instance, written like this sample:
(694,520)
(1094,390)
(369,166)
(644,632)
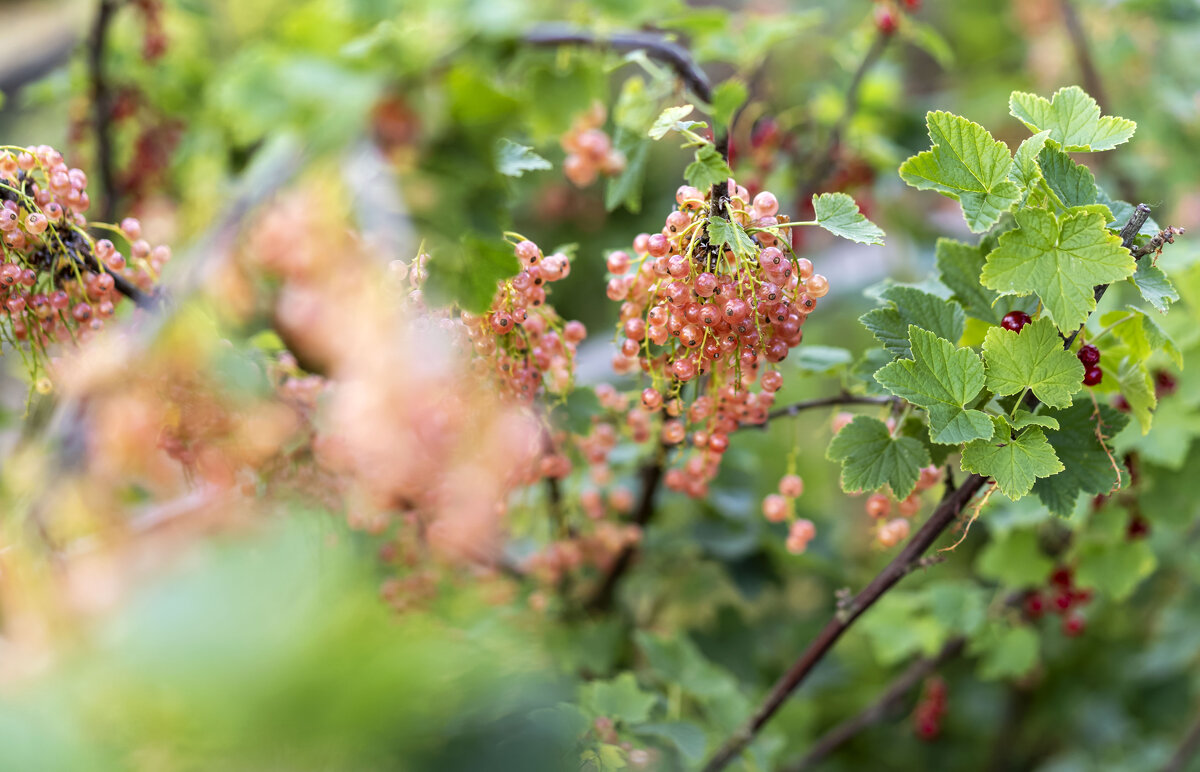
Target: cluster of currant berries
(888,14)
(56,281)
(154,36)
(589,150)
(931,707)
(1061,597)
(1088,354)
(521,340)
(693,308)
(781,506)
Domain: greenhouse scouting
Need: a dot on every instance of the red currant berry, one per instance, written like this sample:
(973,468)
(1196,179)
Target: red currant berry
(885,20)
(1015,320)
(1035,605)
(1089,355)
(912,5)
(1073,625)
(1092,376)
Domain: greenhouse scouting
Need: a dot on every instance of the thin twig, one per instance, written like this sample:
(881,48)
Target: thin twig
(1083,53)
(102,108)
(1141,213)
(945,514)
(952,504)
(837,399)
(1186,751)
(656,47)
(651,475)
(881,708)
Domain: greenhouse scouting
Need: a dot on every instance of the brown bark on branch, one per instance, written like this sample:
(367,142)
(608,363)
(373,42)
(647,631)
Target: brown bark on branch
(102,107)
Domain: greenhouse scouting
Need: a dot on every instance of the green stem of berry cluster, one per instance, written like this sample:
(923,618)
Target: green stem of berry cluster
(952,504)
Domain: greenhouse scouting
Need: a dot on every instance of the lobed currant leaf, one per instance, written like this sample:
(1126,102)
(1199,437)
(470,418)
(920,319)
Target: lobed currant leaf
(1141,334)
(1022,418)
(1025,170)
(1073,183)
(872,457)
(1015,463)
(968,164)
(728,97)
(1060,261)
(1077,439)
(722,231)
(672,119)
(1033,359)
(959,266)
(839,214)
(1154,285)
(707,169)
(513,160)
(1072,118)
(943,380)
(1137,386)
(909,305)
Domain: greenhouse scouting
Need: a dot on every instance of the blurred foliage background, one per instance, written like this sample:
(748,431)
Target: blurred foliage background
(268,648)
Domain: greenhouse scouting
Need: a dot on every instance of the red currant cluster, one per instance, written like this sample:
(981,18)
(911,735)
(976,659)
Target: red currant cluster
(154,38)
(927,716)
(522,340)
(589,150)
(1061,597)
(692,308)
(56,281)
(778,507)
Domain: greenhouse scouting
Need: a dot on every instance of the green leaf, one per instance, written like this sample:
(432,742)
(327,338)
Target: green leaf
(1072,118)
(839,214)
(469,275)
(916,428)
(1154,285)
(1015,559)
(671,119)
(687,738)
(1142,334)
(722,231)
(909,305)
(1115,568)
(872,457)
(1137,386)
(1090,467)
(1061,261)
(968,164)
(1033,359)
(1073,183)
(513,160)
(728,97)
(626,189)
(708,169)
(1013,462)
(960,606)
(943,380)
(621,699)
(1025,169)
(1006,653)
(959,266)
(822,360)
(1023,418)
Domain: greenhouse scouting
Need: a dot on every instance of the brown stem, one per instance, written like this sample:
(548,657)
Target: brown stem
(837,399)
(651,475)
(878,710)
(1186,751)
(102,108)
(1083,53)
(949,508)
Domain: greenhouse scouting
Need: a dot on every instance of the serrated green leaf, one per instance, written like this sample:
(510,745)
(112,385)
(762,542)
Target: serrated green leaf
(1072,118)
(1137,386)
(1141,334)
(909,305)
(1007,653)
(513,160)
(1090,467)
(943,380)
(722,231)
(1061,261)
(728,97)
(1032,359)
(1025,169)
(968,164)
(838,213)
(671,119)
(621,699)
(917,429)
(707,169)
(626,188)
(1073,183)
(959,266)
(1023,418)
(1013,462)
(1154,285)
(872,457)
